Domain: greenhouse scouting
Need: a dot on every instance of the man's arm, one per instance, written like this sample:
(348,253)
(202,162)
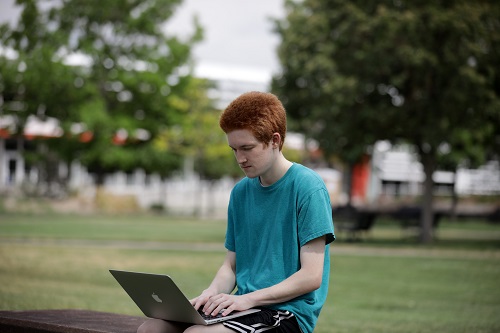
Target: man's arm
(223,282)
(308,278)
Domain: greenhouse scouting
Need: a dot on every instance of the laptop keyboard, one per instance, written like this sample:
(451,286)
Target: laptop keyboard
(208,317)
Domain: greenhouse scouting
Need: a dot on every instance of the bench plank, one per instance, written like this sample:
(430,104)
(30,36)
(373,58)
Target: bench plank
(67,321)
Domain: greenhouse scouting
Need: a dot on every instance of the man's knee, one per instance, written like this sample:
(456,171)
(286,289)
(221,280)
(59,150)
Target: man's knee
(149,326)
(160,326)
(195,329)
(217,328)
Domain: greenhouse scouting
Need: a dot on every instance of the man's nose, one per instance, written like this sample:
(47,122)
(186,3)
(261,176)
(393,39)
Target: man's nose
(240,157)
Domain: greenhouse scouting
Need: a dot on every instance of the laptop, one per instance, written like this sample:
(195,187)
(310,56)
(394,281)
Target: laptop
(159,297)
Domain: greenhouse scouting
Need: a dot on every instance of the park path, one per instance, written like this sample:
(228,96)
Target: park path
(337,249)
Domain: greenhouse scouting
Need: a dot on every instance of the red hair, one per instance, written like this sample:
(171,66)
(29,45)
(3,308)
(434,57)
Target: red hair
(261,113)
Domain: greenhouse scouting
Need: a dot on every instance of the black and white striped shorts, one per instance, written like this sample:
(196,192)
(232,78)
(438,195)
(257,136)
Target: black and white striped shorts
(266,320)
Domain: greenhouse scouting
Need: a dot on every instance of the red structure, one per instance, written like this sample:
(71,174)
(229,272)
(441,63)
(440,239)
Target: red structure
(360,179)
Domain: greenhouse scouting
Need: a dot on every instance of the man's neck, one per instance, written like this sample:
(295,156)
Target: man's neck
(281,167)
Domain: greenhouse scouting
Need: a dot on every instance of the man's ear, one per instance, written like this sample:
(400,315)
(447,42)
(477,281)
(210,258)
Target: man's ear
(276,140)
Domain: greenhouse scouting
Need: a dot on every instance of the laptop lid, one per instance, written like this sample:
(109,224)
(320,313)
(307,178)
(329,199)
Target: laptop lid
(159,297)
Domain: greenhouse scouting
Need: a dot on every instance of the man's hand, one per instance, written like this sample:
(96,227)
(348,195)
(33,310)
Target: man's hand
(201,300)
(226,304)
(223,284)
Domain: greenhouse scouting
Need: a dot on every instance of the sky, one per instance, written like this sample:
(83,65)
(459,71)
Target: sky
(238,38)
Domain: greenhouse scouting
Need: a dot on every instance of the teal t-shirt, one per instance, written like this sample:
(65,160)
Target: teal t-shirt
(267,226)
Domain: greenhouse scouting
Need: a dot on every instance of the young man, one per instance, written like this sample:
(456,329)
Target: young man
(278,233)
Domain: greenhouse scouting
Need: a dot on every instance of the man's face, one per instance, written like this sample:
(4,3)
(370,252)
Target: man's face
(254,157)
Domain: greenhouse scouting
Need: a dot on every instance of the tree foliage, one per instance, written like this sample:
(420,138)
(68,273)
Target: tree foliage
(106,69)
(425,73)
(33,82)
(199,137)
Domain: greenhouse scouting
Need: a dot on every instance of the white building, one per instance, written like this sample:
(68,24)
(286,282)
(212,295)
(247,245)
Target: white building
(396,170)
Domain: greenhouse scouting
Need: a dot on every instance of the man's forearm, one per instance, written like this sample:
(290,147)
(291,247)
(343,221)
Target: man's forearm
(295,286)
(307,279)
(224,281)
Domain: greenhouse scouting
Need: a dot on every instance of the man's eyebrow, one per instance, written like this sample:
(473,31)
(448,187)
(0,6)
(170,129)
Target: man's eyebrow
(248,145)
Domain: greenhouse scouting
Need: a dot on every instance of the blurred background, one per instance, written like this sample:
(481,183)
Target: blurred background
(111,155)
(113,106)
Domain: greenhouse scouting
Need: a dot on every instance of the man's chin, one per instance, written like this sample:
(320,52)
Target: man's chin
(249,174)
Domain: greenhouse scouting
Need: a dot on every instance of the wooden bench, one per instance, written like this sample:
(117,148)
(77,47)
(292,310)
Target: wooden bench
(353,221)
(67,321)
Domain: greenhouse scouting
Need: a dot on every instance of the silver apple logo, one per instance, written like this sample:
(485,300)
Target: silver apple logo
(156,298)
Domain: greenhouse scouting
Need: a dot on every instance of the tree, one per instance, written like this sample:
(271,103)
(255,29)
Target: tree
(139,72)
(35,83)
(424,73)
(127,86)
(200,140)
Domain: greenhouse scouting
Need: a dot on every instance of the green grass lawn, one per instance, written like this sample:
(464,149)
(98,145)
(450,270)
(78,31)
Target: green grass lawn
(386,283)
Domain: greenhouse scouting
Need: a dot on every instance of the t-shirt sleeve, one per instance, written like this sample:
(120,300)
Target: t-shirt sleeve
(315,218)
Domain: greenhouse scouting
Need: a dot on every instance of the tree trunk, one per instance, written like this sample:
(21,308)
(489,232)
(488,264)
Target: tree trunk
(20,164)
(348,183)
(3,165)
(426,222)
(454,198)
(99,178)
